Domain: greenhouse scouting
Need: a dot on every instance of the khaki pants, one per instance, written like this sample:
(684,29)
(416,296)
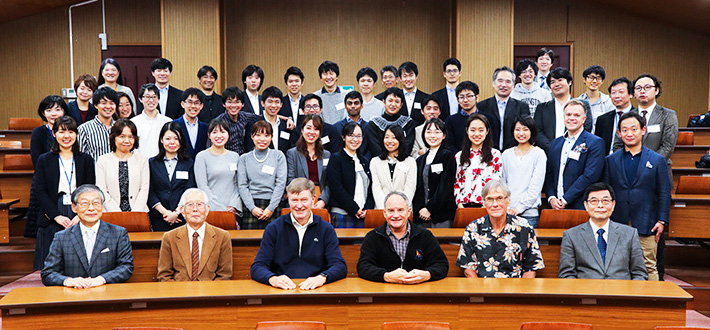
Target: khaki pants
(649,246)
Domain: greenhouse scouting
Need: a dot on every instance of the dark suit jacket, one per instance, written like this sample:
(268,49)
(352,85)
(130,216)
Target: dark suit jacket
(248,108)
(441,203)
(647,199)
(287,137)
(41,141)
(443,98)
(580,256)
(546,122)
(456,131)
(578,174)
(605,129)
(513,110)
(74,112)
(416,113)
(175,262)
(46,182)
(167,192)
(174,109)
(663,140)
(211,109)
(286,110)
(341,171)
(112,257)
(200,143)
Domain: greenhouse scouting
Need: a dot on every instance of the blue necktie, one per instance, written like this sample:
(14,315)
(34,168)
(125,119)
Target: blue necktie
(601,244)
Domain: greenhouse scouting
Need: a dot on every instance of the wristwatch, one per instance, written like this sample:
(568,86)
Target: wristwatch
(324,275)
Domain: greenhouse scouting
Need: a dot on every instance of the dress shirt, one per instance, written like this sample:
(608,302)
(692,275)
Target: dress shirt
(170,165)
(89,236)
(409,99)
(648,114)
(595,230)
(254,100)
(501,113)
(359,195)
(200,236)
(453,100)
(163,101)
(67,173)
(541,80)
(431,155)
(616,125)
(631,164)
(301,229)
(295,104)
(564,157)
(149,132)
(275,129)
(191,130)
(399,244)
(560,117)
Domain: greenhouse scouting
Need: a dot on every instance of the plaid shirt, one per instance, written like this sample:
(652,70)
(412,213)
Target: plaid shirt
(399,244)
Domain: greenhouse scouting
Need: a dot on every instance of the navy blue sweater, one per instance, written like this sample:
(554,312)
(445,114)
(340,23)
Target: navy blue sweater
(278,253)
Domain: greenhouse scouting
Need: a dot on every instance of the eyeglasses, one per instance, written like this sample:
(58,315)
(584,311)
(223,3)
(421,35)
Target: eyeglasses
(497,200)
(311,107)
(467,96)
(84,204)
(595,78)
(150,97)
(604,201)
(198,205)
(192,104)
(646,88)
(452,71)
(355,136)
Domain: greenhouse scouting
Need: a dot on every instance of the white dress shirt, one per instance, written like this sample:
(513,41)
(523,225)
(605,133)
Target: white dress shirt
(200,236)
(560,117)
(295,104)
(254,100)
(359,197)
(595,229)
(163,101)
(301,229)
(89,237)
(650,110)
(564,157)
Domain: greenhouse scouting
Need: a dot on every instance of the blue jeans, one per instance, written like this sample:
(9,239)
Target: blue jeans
(532,220)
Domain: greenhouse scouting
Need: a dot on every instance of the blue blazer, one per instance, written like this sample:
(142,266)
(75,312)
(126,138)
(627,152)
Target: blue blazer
(578,174)
(647,199)
(167,192)
(112,257)
(201,143)
(74,112)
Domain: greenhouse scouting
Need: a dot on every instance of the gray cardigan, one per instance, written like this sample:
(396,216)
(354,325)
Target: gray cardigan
(298,168)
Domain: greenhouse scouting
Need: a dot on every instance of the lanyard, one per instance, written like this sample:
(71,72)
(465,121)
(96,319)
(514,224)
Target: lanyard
(51,133)
(69,178)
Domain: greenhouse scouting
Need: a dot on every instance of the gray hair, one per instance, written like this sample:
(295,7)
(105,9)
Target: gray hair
(85,188)
(190,191)
(301,184)
(397,193)
(494,185)
(499,70)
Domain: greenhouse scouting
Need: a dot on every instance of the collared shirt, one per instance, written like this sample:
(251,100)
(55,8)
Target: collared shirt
(301,229)
(508,254)
(501,113)
(359,195)
(541,80)
(453,100)
(595,230)
(650,110)
(163,101)
(409,99)
(94,138)
(295,104)
(560,117)
(399,244)
(192,130)
(631,164)
(616,124)
(200,236)
(149,132)
(254,100)
(67,173)
(170,165)
(89,235)
(564,157)
(275,137)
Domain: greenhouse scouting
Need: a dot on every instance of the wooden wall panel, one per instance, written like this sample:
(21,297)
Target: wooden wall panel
(87,24)
(191,38)
(540,21)
(305,33)
(127,26)
(484,39)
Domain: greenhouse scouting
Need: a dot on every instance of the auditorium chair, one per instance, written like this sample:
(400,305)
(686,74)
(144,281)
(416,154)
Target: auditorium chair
(464,216)
(222,219)
(323,213)
(680,328)
(376,218)
(690,118)
(146,328)
(562,219)
(688,184)
(416,325)
(10,144)
(132,221)
(290,325)
(555,326)
(24,124)
(685,139)
(18,162)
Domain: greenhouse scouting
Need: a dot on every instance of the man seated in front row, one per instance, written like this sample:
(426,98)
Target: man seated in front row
(91,253)
(600,248)
(299,245)
(499,244)
(207,248)
(400,251)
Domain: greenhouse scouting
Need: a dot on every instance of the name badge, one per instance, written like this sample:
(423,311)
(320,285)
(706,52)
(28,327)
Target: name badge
(437,168)
(66,199)
(417,105)
(232,166)
(340,106)
(402,167)
(268,169)
(574,155)
(325,161)
(181,175)
(285,135)
(325,140)
(654,128)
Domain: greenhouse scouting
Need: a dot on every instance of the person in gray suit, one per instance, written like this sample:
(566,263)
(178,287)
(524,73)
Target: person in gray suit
(308,159)
(91,253)
(601,248)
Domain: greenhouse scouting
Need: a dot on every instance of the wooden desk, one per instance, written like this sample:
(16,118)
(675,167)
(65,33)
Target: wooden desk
(351,303)
(16,184)
(15,135)
(245,245)
(701,135)
(689,216)
(5,218)
(686,156)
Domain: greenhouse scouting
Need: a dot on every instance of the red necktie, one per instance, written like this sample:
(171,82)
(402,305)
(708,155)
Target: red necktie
(195,256)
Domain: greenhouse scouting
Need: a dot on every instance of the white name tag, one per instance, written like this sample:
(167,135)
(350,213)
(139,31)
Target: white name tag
(340,106)
(325,140)
(268,169)
(402,167)
(181,175)
(66,199)
(654,128)
(574,155)
(285,135)
(325,161)
(417,105)
(232,166)
(437,168)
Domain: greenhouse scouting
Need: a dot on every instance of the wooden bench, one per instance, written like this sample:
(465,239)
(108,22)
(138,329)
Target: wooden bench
(686,156)
(701,135)
(563,219)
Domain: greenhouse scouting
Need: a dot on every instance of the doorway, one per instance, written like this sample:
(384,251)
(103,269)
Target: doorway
(135,63)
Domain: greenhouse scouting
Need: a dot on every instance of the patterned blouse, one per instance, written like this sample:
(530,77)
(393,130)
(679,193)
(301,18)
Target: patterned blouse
(509,254)
(471,179)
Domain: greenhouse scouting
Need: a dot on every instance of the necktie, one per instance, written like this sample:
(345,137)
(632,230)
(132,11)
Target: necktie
(89,243)
(195,256)
(619,113)
(644,113)
(542,81)
(601,244)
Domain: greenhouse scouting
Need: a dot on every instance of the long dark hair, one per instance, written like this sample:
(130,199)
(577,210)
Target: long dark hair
(113,62)
(302,145)
(69,124)
(175,128)
(486,153)
(528,122)
(399,135)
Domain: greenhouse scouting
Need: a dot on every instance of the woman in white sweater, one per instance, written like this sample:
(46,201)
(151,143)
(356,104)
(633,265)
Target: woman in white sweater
(393,170)
(523,171)
(123,176)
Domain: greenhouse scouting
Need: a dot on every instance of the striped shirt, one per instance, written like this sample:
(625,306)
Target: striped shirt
(93,138)
(399,244)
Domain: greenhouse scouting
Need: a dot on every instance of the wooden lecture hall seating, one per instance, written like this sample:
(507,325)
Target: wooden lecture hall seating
(290,325)
(555,326)
(23,124)
(416,325)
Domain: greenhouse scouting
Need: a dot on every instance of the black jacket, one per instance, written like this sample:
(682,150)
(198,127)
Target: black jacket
(441,204)
(605,129)
(456,131)
(377,255)
(174,109)
(341,178)
(74,112)
(546,121)
(443,97)
(513,110)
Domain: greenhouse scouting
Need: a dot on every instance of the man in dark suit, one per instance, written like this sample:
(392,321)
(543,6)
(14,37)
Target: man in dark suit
(467,95)
(91,253)
(253,78)
(195,130)
(503,109)
(292,100)
(600,248)
(169,103)
(639,176)
(549,116)
(284,137)
(213,105)
(413,97)
(389,79)
(448,103)
(575,161)
(621,91)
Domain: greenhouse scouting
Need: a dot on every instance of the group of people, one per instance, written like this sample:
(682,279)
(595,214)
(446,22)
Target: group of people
(438,152)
